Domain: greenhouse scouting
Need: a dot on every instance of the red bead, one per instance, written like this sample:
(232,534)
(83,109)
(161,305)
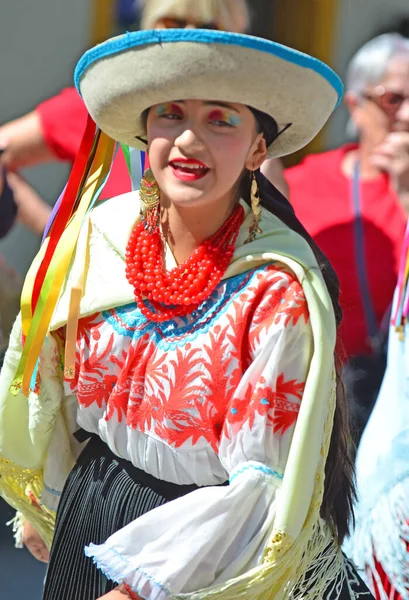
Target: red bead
(187,285)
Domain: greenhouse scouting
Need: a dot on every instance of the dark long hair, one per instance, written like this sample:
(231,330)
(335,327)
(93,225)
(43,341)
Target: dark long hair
(339,490)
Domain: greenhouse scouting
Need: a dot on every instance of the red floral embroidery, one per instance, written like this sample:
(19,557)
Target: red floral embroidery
(222,376)
(191,391)
(283,303)
(239,335)
(91,386)
(88,328)
(174,405)
(130,367)
(181,409)
(262,399)
(293,306)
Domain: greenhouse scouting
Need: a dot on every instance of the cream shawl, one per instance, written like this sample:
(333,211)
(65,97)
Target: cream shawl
(299,541)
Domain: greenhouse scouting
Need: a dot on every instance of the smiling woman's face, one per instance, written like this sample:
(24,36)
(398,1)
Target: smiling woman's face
(198,149)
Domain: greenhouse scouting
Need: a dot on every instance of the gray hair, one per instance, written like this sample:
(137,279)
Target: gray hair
(370,63)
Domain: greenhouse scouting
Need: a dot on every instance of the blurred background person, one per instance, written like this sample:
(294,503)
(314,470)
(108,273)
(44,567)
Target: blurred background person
(9,281)
(225,15)
(18,201)
(379,544)
(54,129)
(354,201)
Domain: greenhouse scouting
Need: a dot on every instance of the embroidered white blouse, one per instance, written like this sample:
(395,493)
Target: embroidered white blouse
(202,399)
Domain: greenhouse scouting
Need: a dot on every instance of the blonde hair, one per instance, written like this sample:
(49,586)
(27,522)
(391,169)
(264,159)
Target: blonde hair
(229,15)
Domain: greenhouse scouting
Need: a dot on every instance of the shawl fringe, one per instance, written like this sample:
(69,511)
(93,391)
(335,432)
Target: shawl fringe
(21,488)
(386,528)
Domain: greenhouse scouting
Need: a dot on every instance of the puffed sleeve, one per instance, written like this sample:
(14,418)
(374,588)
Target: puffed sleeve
(213,534)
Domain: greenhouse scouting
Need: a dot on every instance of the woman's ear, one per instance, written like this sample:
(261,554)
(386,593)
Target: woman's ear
(352,103)
(257,154)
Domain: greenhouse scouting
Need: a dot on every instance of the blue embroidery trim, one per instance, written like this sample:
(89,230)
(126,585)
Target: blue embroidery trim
(115,575)
(141,38)
(128,321)
(263,469)
(53,492)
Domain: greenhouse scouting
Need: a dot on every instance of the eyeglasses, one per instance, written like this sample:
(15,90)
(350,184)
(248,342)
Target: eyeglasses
(170,23)
(390,102)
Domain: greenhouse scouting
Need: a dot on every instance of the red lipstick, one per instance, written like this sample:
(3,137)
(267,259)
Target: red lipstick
(188,169)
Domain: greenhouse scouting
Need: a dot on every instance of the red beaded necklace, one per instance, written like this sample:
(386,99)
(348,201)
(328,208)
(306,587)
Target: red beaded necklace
(183,289)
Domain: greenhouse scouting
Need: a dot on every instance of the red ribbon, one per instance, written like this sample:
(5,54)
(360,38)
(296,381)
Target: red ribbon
(67,204)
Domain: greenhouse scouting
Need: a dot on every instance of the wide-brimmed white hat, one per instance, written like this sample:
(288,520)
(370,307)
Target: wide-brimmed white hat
(125,75)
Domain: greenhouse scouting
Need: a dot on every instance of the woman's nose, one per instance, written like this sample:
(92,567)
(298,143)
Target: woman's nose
(188,138)
(403,113)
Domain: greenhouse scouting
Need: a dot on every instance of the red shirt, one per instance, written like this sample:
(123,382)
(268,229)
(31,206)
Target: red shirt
(63,119)
(322,198)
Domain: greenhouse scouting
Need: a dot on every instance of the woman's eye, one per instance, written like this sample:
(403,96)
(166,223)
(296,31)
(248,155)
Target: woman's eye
(169,111)
(222,118)
(221,123)
(172,116)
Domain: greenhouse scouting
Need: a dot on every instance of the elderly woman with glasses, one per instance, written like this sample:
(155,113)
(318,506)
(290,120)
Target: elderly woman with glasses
(379,544)
(354,201)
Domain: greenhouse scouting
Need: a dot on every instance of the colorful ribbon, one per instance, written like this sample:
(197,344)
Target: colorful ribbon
(46,277)
(402,301)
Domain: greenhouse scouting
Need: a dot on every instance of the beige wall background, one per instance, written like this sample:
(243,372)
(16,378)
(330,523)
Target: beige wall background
(40,42)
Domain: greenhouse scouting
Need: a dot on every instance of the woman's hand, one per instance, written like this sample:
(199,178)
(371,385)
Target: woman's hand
(32,210)
(35,544)
(120,593)
(392,156)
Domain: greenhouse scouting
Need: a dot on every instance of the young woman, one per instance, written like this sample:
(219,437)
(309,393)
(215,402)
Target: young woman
(194,324)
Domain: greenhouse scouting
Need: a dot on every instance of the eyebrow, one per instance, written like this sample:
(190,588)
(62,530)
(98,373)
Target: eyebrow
(222,104)
(214,103)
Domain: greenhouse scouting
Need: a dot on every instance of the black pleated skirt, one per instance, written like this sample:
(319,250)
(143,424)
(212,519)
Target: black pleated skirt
(102,494)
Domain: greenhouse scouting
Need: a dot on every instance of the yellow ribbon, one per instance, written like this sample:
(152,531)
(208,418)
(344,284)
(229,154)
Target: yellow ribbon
(76,293)
(37,327)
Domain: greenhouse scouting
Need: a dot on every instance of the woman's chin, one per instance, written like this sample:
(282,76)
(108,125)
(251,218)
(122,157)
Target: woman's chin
(185,196)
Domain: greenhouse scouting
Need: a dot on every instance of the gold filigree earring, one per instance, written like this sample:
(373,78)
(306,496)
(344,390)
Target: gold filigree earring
(255,209)
(149,194)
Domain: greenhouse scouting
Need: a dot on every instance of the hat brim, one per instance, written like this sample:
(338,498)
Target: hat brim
(121,78)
